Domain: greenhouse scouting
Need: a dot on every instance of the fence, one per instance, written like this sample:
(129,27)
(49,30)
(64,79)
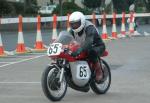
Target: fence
(39,46)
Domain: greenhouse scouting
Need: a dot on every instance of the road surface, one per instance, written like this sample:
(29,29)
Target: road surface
(129,59)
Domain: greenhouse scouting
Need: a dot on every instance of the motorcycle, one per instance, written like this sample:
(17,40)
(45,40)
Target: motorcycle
(74,72)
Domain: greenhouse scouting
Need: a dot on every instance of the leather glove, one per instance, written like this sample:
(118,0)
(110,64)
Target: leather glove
(76,53)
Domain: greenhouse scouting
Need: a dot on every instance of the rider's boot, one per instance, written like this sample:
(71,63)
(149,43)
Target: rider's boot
(99,73)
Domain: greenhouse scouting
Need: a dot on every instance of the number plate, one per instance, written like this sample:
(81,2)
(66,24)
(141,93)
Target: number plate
(82,72)
(54,49)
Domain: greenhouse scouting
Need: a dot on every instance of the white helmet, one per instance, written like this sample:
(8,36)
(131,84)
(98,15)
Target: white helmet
(77,21)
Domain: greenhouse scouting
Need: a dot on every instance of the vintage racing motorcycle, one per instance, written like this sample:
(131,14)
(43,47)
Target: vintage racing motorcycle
(67,71)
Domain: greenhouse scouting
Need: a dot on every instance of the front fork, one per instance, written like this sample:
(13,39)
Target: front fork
(62,71)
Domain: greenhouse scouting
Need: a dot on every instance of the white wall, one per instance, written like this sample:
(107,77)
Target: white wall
(16,0)
(79,3)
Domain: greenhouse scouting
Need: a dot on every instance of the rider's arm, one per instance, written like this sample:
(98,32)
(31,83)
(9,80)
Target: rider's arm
(90,32)
(92,38)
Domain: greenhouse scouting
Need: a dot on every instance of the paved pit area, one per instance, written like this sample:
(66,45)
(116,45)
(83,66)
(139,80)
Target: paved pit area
(129,59)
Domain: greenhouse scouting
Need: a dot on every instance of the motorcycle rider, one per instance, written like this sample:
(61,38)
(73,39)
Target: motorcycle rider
(87,35)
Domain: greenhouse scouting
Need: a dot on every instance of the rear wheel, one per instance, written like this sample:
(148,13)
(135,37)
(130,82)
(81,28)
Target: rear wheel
(52,88)
(102,88)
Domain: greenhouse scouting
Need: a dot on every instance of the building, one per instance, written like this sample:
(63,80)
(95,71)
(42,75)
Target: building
(47,2)
(15,0)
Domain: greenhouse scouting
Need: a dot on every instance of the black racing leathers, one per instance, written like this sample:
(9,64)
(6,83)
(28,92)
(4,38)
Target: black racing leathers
(93,43)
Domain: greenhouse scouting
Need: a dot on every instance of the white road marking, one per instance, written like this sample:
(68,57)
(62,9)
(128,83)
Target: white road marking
(21,61)
(6,62)
(20,82)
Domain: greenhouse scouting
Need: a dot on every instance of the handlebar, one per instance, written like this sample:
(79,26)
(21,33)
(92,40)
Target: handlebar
(67,51)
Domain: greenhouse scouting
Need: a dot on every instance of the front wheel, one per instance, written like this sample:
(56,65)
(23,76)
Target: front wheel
(102,88)
(52,88)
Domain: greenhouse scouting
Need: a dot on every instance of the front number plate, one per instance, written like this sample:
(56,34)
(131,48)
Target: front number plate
(54,49)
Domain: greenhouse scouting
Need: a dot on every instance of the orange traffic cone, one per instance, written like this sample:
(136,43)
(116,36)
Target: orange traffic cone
(54,35)
(20,46)
(39,43)
(1,47)
(104,31)
(123,29)
(131,26)
(114,31)
(68,25)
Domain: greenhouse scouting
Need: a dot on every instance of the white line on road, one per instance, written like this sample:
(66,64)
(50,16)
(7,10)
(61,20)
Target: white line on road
(20,82)
(6,62)
(21,61)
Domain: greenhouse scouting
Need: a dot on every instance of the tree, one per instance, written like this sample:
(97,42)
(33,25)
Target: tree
(147,3)
(73,1)
(30,7)
(60,9)
(129,2)
(6,8)
(92,3)
(69,7)
(122,5)
(51,2)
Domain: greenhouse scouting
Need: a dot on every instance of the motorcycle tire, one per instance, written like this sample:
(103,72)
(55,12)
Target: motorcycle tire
(49,88)
(99,88)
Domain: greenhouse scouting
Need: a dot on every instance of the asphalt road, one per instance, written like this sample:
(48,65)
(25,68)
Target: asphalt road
(128,58)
